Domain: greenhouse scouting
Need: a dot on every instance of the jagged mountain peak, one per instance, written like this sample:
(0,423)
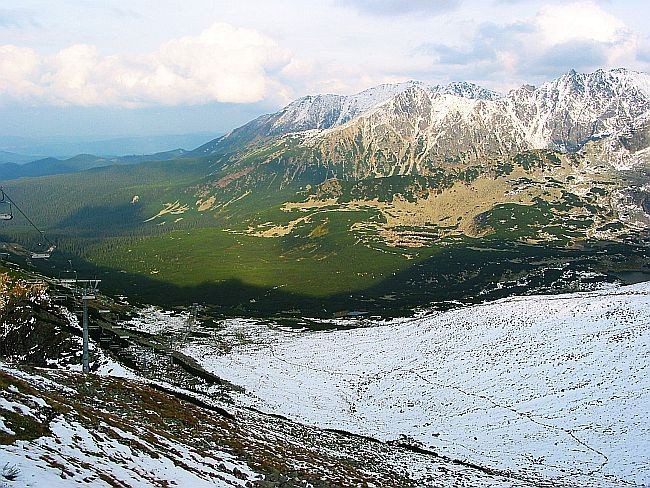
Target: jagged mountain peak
(423,127)
(326,111)
(331,110)
(462,117)
(616,80)
(467,90)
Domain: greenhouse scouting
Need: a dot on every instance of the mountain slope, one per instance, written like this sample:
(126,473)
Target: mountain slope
(328,111)
(542,149)
(162,420)
(553,388)
(419,129)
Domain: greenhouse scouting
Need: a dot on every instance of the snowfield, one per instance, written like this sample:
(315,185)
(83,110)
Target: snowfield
(553,388)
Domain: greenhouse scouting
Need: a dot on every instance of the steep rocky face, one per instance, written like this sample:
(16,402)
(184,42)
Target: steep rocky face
(322,112)
(420,129)
(306,113)
(33,330)
(35,334)
(412,128)
(577,108)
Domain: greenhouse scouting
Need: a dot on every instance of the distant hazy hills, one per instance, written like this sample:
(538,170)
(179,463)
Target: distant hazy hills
(9,157)
(63,147)
(57,155)
(81,162)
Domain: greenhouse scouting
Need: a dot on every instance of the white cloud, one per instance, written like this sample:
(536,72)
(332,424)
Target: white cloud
(580,20)
(221,64)
(18,70)
(579,35)
(335,47)
(596,38)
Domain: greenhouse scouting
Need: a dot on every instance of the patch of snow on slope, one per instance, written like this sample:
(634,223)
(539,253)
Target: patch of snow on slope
(555,387)
(103,454)
(121,460)
(154,320)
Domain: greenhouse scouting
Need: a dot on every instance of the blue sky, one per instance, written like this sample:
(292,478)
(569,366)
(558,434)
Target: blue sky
(145,67)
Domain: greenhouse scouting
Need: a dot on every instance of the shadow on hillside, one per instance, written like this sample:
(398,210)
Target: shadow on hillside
(457,275)
(103,220)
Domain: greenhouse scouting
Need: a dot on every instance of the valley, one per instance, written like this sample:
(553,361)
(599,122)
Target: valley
(375,301)
(343,203)
(151,415)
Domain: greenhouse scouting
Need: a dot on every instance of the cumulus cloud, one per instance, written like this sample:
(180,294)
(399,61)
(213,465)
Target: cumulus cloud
(402,7)
(580,20)
(221,64)
(19,68)
(579,35)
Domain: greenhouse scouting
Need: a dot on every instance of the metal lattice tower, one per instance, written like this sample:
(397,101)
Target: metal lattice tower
(88,290)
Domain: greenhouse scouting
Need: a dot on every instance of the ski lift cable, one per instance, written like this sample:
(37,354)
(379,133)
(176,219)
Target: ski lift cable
(4,194)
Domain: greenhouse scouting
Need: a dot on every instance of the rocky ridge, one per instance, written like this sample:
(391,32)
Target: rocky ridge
(412,128)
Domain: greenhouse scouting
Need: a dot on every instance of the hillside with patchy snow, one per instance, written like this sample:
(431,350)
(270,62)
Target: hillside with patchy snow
(413,128)
(551,388)
(150,416)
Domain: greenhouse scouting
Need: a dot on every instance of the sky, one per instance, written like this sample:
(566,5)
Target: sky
(148,67)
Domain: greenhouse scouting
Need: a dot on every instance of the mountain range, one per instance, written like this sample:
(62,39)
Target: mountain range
(419,126)
(360,201)
(580,130)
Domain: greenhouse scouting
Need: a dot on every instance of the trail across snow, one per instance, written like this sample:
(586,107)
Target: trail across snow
(550,387)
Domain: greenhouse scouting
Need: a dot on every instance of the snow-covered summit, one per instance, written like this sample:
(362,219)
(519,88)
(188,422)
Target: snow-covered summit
(564,114)
(466,90)
(604,99)
(617,92)
(326,111)
(463,118)
(571,110)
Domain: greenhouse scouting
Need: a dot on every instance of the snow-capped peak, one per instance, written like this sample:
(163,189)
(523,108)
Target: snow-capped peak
(563,114)
(327,111)
(466,90)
